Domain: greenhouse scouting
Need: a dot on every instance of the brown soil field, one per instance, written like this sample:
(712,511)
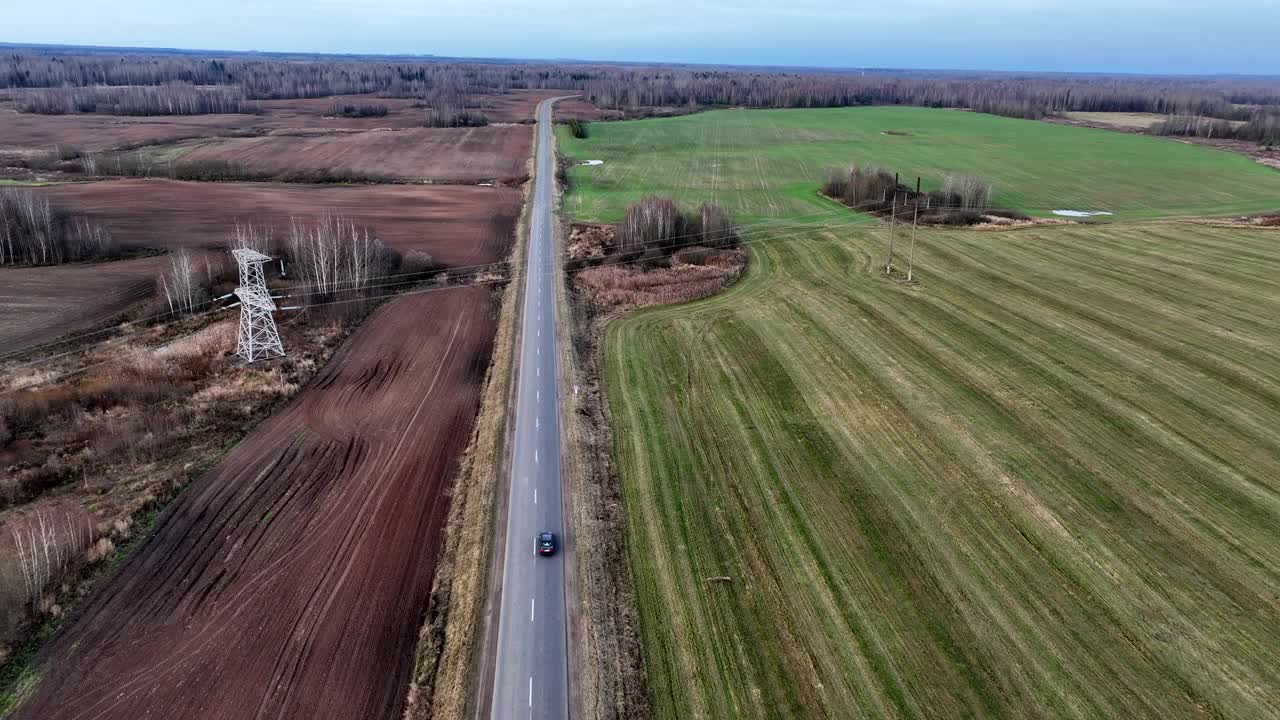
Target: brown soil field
(290,580)
(495,152)
(513,106)
(43,303)
(576,107)
(22,133)
(457,224)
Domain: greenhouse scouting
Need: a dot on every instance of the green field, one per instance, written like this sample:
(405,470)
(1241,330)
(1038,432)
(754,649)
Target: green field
(1042,482)
(769,163)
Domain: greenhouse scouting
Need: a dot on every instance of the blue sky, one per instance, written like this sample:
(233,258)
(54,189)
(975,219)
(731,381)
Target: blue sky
(1152,36)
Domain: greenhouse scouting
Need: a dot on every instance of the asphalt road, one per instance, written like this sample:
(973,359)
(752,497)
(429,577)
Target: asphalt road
(531,676)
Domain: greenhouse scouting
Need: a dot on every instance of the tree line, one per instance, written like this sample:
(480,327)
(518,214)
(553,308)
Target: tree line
(33,232)
(169,99)
(1263,129)
(635,89)
(964,199)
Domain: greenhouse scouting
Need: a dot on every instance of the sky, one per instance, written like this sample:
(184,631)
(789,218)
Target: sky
(1139,36)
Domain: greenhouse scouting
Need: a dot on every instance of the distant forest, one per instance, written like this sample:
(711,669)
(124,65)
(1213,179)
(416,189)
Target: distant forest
(46,74)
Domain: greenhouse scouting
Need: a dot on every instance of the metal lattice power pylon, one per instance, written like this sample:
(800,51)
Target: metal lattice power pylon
(258,336)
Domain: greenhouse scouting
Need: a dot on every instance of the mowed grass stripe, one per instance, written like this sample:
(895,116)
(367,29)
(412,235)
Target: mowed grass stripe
(1018,500)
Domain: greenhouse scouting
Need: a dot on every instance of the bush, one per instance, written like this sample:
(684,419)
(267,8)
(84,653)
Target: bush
(963,200)
(418,262)
(352,110)
(653,259)
(455,118)
(577,128)
(968,191)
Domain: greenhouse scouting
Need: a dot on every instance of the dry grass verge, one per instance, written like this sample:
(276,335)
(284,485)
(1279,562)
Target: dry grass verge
(612,677)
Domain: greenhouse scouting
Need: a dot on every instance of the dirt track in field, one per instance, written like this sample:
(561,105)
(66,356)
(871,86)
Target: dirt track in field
(43,303)
(457,224)
(495,152)
(290,581)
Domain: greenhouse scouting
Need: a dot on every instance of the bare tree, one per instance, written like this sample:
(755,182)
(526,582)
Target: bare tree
(650,223)
(335,255)
(969,192)
(46,543)
(33,232)
(181,285)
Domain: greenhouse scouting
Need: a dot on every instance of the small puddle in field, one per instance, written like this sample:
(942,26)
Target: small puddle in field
(592,162)
(1081,213)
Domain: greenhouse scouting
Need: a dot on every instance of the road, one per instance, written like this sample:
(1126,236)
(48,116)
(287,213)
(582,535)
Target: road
(531,674)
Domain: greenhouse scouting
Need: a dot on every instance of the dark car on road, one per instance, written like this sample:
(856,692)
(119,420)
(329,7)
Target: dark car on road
(545,543)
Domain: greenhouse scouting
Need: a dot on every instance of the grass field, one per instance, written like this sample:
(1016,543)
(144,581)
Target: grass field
(768,163)
(1042,482)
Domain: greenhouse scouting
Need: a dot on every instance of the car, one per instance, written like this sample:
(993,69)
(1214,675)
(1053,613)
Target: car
(545,543)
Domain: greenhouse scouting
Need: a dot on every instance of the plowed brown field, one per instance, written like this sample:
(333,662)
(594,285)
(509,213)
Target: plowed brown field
(43,303)
(290,581)
(22,133)
(495,152)
(25,133)
(457,224)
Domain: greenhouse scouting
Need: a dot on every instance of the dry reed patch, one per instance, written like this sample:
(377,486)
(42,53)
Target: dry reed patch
(693,274)
(1264,220)
(589,240)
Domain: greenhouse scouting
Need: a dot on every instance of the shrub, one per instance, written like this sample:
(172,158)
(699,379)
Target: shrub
(653,259)
(352,110)
(418,262)
(577,128)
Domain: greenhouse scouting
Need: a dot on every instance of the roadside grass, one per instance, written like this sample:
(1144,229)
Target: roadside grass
(1042,482)
(761,164)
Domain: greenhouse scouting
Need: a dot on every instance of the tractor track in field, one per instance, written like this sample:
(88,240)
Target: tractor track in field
(291,579)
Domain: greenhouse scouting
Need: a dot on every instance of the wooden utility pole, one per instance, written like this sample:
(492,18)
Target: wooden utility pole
(893,217)
(911,254)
